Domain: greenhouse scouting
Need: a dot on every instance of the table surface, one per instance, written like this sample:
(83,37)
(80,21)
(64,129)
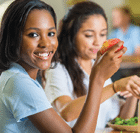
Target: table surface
(110,130)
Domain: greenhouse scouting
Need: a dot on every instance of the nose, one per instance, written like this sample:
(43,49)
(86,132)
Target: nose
(96,40)
(44,42)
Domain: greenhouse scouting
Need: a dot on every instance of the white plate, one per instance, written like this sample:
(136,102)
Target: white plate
(123,127)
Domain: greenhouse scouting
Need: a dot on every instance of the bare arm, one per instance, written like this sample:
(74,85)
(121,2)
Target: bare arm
(132,84)
(129,108)
(50,121)
(70,109)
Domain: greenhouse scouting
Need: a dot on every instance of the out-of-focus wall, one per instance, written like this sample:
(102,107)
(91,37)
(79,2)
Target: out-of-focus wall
(3,6)
(134,5)
(2,1)
(108,5)
(135,10)
(59,7)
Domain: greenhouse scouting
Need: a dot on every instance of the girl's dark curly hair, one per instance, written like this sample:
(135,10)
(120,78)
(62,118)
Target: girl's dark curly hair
(67,50)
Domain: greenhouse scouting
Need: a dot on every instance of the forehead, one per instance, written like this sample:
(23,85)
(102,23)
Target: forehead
(39,18)
(95,22)
(117,12)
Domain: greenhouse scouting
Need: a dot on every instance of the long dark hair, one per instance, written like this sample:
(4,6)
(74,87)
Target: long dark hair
(67,51)
(12,26)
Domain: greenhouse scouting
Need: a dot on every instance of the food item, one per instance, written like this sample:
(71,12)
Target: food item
(108,44)
(119,121)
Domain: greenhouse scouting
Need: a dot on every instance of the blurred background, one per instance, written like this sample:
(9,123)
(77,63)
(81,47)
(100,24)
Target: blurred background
(61,7)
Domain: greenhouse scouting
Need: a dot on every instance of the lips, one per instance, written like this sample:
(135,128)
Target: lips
(43,55)
(94,51)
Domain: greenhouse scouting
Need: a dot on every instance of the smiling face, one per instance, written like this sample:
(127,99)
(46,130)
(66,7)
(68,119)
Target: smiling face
(39,41)
(91,37)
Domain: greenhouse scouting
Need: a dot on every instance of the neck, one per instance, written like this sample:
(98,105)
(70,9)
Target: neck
(86,65)
(124,28)
(31,71)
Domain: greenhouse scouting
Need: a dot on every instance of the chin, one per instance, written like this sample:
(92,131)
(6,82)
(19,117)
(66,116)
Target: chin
(94,56)
(45,66)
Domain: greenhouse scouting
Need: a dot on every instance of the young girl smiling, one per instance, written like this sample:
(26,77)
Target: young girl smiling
(28,42)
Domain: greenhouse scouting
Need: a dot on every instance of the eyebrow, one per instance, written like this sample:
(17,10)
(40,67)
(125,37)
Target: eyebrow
(33,28)
(93,30)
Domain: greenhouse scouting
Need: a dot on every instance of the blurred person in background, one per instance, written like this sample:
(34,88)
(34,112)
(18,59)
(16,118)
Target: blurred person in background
(125,31)
(130,34)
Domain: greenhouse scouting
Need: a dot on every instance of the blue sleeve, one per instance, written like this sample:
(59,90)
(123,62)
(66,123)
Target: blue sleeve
(23,97)
(136,35)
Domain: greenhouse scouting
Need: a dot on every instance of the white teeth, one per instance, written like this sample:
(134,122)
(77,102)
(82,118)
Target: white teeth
(43,54)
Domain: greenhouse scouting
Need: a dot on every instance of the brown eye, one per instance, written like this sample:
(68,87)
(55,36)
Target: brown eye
(33,35)
(51,34)
(103,35)
(88,35)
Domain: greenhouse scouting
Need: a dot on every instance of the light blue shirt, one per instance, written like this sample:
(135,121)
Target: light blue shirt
(131,38)
(20,97)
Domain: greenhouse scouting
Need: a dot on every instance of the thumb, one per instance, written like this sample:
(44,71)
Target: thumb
(98,55)
(98,58)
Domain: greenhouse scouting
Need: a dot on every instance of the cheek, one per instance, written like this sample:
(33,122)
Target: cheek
(27,50)
(26,45)
(82,43)
(54,43)
(102,41)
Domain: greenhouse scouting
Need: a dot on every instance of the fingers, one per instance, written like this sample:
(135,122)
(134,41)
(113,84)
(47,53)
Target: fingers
(98,57)
(116,47)
(131,85)
(128,95)
(135,85)
(136,79)
(134,89)
(119,53)
(125,94)
(133,92)
(99,54)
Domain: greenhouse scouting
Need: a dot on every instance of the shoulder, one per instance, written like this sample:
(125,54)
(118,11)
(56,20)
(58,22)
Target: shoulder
(18,84)
(57,71)
(20,79)
(21,86)
(134,27)
(23,96)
